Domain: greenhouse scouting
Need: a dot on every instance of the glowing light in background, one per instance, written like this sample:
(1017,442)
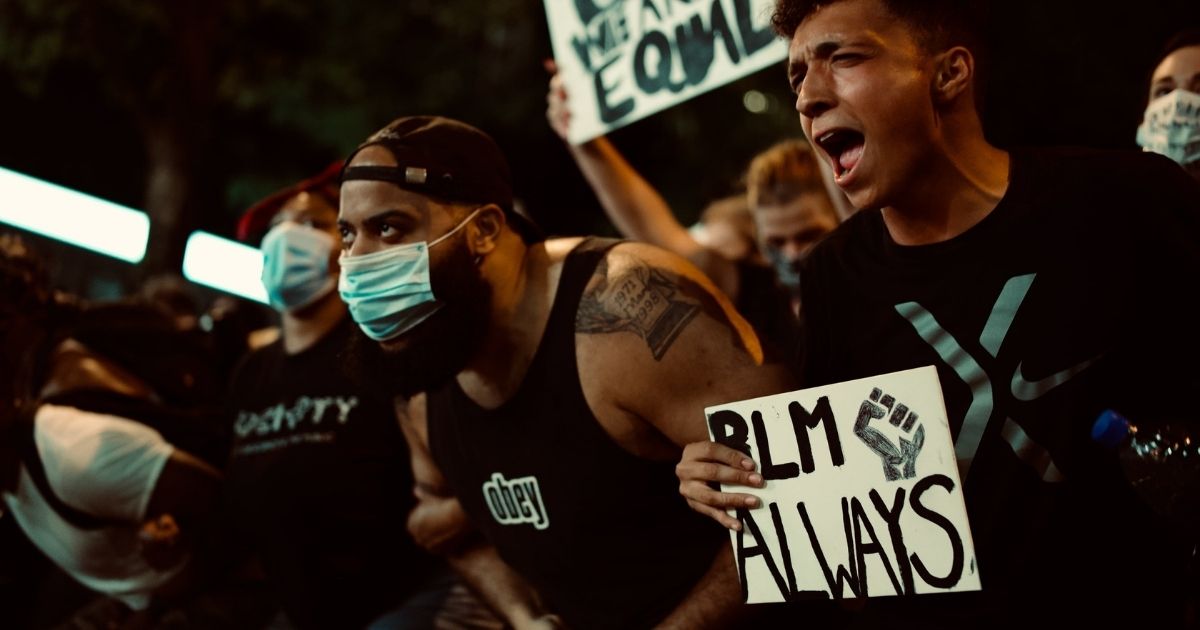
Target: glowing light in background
(225,265)
(73,217)
(754,101)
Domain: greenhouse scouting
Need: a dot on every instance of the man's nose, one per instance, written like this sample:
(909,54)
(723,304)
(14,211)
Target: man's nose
(361,246)
(794,251)
(815,96)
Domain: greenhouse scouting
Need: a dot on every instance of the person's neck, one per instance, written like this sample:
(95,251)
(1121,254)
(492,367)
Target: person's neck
(961,184)
(518,315)
(302,329)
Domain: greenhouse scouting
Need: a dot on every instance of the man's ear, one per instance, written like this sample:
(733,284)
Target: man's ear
(485,229)
(953,73)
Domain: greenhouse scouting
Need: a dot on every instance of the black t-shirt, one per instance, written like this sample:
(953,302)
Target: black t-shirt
(767,307)
(320,485)
(1064,301)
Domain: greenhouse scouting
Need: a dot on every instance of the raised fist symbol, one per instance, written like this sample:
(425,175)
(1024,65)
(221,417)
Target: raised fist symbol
(898,462)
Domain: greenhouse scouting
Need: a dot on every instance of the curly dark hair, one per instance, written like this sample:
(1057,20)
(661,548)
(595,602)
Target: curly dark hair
(937,24)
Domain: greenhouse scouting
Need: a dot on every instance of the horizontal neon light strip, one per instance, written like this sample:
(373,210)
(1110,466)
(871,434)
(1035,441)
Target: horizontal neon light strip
(225,265)
(73,217)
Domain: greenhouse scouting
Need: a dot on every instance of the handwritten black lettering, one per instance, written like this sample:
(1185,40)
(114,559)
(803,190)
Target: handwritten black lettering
(730,429)
(956,544)
(892,517)
(609,112)
(759,549)
(803,421)
(753,40)
(847,575)
(863,549)
(770,470)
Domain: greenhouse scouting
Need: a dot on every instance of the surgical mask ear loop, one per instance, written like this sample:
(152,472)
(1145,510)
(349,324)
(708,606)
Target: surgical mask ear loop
(478,258)
(456,228)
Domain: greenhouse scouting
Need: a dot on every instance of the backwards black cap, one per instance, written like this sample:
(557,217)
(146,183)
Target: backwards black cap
(446,159)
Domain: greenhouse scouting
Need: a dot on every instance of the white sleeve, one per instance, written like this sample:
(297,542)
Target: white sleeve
(99,464)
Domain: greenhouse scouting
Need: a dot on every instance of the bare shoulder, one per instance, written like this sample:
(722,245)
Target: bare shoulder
(656,343)
(641,290)
(558,248)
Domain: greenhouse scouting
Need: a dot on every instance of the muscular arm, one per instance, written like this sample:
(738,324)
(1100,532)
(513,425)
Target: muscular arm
(663,344)
(439,524)
(631,203)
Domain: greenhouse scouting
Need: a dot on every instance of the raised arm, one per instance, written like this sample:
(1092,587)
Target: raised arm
(633,205)
(439,524)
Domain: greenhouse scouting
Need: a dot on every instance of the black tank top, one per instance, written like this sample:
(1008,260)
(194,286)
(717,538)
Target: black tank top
(603,535)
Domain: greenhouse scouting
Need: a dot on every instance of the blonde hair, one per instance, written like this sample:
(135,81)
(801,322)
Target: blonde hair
(782,173)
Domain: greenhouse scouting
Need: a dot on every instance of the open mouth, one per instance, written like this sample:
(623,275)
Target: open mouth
(845,149)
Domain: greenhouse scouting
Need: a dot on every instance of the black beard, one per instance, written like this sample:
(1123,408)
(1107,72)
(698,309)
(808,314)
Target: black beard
(438,348)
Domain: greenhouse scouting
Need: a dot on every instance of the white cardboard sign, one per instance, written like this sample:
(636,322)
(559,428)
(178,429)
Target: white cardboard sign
(623,60)
(862,495)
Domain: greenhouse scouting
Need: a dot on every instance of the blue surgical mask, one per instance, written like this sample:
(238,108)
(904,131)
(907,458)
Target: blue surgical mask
(1171,126)
(389,291)
(787,271)
(296,265)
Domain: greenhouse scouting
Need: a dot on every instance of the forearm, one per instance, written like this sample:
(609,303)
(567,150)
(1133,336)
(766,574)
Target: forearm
(439,524)
(715,601)
(497,584)
(630,202)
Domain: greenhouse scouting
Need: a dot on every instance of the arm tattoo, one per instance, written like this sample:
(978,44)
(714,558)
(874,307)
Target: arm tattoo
(642,300)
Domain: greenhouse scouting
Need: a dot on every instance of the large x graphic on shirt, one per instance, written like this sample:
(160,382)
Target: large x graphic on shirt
(979,413)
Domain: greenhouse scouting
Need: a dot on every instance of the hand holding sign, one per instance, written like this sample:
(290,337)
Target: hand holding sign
(557,112)
(705,464)
(830,524)
(623,61)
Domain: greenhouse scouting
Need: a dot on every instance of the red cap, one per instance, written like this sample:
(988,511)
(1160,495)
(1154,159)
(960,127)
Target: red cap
(255,220)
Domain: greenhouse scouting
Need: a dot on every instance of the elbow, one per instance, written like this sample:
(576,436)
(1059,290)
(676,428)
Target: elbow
(438,529)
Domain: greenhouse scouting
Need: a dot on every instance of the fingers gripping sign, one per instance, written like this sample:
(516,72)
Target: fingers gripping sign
(828,524)
(899,462)
(703,467)
(558,111)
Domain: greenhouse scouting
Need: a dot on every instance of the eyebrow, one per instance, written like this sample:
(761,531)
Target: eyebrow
(376,219)
(826,48)
(823,50)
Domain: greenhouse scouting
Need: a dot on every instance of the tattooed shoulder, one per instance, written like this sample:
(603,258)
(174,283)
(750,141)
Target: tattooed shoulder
(639,299)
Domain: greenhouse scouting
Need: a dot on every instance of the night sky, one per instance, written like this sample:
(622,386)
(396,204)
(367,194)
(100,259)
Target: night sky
(1065,72)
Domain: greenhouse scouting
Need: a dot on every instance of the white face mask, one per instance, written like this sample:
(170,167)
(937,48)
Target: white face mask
(1171,126)
(296,265)
(389,291)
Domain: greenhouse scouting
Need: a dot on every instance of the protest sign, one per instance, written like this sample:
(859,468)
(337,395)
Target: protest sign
(622,60)
(862,495)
